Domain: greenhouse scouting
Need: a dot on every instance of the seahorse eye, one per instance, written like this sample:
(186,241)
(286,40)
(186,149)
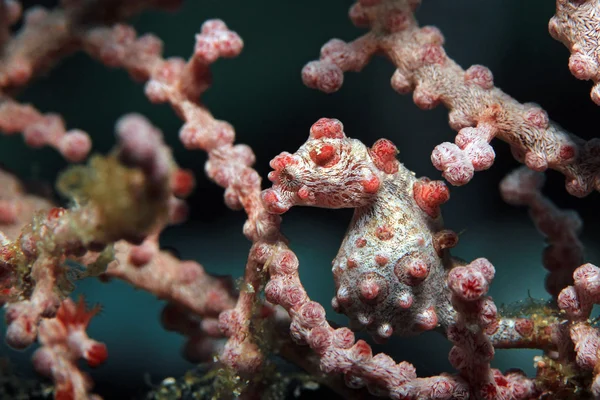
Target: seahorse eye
(324,155)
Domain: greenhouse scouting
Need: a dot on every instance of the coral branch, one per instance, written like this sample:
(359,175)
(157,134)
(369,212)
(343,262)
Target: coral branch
(393,274)
(393,257)
(195,298)
(45,38)
(478,110)
(43,130)
(139,173)
(473,350)
(576,26)
(561,228)
(577,301)
(339,353)
(180,84)
(64,341)
(184,283)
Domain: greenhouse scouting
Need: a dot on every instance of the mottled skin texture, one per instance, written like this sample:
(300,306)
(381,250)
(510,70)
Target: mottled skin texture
(391,271)
(575,24)
(388,276)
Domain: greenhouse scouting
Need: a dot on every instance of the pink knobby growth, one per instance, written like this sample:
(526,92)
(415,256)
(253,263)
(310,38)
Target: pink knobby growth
(574,26)
(215,41)
(64,341)
(472,152)
(564,250)
(577,302)
(393,274)
(478,111)
(329,170)
(44,130)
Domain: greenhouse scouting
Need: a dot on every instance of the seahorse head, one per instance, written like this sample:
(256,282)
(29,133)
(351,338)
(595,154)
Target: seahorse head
(329,170)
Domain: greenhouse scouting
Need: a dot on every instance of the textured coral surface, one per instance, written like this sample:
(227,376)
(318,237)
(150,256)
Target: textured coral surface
(265,331)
